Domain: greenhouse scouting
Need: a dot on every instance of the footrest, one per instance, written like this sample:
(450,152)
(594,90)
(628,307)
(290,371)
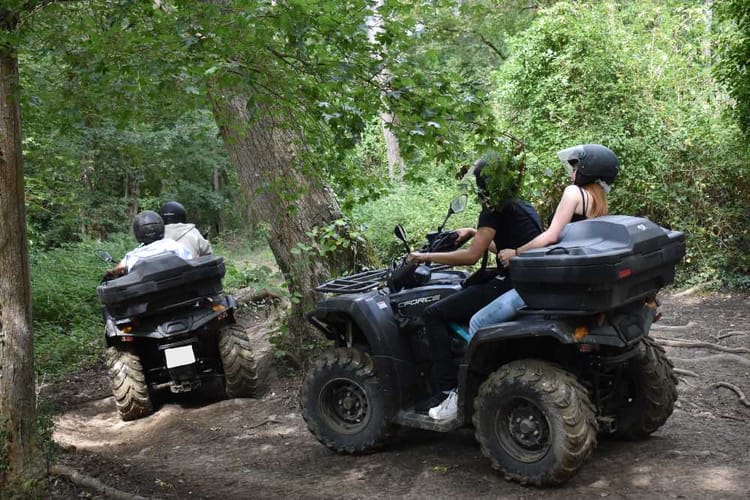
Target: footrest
(410,418)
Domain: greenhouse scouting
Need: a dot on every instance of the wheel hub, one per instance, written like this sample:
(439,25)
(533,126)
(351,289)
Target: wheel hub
(523,430)
(526,428)
(345,405)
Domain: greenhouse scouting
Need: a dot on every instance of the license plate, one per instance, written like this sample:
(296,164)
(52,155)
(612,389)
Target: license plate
(179,356)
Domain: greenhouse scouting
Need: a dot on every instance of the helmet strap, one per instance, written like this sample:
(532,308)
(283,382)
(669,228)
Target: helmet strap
(606,187)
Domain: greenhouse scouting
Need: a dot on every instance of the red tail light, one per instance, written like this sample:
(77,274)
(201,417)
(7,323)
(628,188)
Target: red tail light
(624,273)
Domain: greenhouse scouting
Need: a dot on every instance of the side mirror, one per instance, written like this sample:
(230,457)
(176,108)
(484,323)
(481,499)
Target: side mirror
(458,204)
(105,256)
(400,233)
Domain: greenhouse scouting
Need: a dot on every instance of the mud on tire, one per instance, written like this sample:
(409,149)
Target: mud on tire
(128,381)
(648,394)
(535,422)
(240,368)
(343,402)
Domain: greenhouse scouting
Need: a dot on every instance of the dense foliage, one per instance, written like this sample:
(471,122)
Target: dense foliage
(116,116)
(635,77)
(733,59)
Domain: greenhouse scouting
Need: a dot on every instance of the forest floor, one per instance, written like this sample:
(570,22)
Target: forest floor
(261,448)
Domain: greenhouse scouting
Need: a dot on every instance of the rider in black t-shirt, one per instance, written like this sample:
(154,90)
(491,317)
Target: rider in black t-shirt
(507,225)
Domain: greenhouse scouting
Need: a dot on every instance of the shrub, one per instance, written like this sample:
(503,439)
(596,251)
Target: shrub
(419,208)
(66,313)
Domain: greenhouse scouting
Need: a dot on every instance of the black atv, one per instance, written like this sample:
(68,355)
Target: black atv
(577,362)
(168,326)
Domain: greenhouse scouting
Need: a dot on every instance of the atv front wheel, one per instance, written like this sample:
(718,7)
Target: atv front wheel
(343,402)
(647,392)
(240,368)
(535,422)
(128,381)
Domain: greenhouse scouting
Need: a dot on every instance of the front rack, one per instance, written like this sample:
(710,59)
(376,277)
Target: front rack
(364,281)
(356,283)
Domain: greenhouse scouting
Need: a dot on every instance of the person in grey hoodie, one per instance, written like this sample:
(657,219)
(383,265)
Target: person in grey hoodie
(178,229)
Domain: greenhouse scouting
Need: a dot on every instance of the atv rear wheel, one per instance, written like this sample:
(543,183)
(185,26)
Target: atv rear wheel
(343,402)
(240,368)
(535,422)
(648,391)
(128,381)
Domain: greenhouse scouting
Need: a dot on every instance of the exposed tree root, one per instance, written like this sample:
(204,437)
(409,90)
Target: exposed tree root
(730,334)
(699,344)
(91,483)
(658,326)
(696,454)
(731,417)
(687,373)
(268,421)
(694,289)
(736,390)
(250,294)
(714,358)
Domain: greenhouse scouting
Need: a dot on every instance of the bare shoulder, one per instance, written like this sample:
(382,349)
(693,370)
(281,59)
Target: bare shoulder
(571,191)
(571,196)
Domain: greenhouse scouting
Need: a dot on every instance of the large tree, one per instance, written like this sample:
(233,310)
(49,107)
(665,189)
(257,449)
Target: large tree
(19,455)
(733,62)
(292,84)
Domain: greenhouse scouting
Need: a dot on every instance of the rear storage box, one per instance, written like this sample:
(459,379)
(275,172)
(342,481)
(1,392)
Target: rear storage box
(161,282)
(598,264)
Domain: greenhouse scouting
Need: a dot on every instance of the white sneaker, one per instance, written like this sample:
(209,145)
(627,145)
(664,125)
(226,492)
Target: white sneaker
(446,410)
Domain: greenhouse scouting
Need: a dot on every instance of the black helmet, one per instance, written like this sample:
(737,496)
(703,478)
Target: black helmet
(592,161)
(480,176)
(173,212)
(148,227)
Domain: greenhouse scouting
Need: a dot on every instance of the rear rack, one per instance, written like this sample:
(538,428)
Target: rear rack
(356,283)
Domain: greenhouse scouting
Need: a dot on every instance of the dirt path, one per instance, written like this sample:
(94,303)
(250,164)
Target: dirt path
(260,448)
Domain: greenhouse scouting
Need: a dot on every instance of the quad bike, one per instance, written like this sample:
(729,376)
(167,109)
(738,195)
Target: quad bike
(169,326)
(577,362)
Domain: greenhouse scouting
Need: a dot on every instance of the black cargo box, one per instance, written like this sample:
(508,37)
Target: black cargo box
(160,282)
(598,264)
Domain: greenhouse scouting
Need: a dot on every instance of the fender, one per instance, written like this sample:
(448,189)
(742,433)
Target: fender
(373,315)
(495,345)
(371,312)
(562,330)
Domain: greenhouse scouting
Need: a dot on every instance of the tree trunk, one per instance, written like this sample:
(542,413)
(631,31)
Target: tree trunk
(290,201)
(19,457)
(218,185)
(393,149)
(132,193)
(395,161)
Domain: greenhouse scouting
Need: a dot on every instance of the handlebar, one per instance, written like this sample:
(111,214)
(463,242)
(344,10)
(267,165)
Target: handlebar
(443,241)
(410,275)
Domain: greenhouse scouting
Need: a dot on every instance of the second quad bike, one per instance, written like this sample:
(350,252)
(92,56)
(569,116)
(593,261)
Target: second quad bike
(576,363)
(170,327)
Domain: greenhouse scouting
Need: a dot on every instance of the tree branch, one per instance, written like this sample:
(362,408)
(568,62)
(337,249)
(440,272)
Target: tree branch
(680,343)
(736,390)
(91,482)
(491,46)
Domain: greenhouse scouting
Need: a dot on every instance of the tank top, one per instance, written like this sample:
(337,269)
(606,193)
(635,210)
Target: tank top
(577,217)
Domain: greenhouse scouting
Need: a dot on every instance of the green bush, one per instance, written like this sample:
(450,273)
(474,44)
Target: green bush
(420,209)
(634,77)
(66,313)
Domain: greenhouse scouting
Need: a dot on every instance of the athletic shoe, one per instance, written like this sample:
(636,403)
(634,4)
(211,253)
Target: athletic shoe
(426,404)
(446,410)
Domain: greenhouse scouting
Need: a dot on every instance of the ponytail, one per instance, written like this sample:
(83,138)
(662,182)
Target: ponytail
(598,197)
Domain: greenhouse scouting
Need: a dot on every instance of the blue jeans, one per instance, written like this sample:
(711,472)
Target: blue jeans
(499,310)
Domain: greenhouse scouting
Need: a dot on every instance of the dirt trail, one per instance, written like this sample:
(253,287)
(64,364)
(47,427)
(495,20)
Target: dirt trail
(259,448)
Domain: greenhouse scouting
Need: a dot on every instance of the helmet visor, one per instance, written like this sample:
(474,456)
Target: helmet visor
(570,157)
